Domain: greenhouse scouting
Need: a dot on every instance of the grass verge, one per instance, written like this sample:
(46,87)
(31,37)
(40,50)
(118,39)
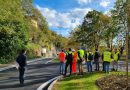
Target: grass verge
(56,60)
(85,82)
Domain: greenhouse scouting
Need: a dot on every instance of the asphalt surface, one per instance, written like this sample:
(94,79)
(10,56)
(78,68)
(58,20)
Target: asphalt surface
(36,74)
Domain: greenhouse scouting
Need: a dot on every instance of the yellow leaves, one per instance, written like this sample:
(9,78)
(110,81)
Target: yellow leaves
(105,19)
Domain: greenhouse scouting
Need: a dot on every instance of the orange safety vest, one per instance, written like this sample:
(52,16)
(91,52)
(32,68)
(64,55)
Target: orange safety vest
(62,56)
(74,57)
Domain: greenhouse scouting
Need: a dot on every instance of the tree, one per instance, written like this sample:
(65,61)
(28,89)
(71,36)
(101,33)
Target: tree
(17,30)
(89,33)
(96,28)
(13,26)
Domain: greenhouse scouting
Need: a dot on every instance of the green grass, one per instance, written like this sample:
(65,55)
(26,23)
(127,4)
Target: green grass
(56,60)
(85,82)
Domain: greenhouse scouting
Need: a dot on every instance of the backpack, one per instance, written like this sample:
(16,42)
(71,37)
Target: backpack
(97,55)
(69,56)
(90,56)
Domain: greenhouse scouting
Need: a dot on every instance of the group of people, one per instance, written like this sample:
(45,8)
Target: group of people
(74,59)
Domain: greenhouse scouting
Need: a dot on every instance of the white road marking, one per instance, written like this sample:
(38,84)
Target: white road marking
(48,61)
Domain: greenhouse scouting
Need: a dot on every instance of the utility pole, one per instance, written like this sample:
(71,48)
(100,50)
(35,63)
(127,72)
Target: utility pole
(127,47)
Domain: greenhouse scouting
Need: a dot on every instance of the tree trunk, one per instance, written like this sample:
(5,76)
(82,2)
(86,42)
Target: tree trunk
(111,41)
(108,43)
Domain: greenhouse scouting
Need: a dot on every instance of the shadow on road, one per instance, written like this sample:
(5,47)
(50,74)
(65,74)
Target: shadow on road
(33,80)
(36,74)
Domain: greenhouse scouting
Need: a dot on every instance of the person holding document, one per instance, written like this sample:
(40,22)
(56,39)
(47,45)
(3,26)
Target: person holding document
(21,61)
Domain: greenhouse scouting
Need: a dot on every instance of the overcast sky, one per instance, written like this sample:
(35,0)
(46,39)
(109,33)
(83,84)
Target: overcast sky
(64,15)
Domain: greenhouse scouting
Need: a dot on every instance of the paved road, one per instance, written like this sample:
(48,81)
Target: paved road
(37,73)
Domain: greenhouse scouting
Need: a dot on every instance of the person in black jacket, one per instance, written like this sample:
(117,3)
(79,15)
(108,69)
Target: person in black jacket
(96,59)
(69,57)
(21,60)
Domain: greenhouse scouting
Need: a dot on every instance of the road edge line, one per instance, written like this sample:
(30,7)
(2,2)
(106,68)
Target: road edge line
(46,83)
(52,84)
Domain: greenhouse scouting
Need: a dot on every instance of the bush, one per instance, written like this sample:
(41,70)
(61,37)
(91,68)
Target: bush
(13,37)
(33,50)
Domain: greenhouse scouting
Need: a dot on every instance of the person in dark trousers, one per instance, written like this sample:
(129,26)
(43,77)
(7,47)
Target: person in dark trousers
(121,50)
(89,58)
(21,60)
(96,60)
(69,58)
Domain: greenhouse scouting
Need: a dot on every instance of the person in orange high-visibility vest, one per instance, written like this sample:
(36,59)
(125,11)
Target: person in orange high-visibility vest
(74,62)
(62,57)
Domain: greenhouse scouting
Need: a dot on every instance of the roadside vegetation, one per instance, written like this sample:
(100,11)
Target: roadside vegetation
(23,26)
(56,60)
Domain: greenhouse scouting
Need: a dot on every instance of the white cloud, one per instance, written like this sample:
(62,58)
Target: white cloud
(64,20)
(84,1)
(105,3)
(108,13)
(80,12)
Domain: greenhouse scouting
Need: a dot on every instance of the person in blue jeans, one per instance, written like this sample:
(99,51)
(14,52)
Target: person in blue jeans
(21,60)
(62,67)
(89,58)
(106,57)
(62,57)
(89,66)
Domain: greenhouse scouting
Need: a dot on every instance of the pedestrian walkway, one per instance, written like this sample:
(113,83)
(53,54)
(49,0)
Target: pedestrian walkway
(4,65)
(8,66)
(121,66)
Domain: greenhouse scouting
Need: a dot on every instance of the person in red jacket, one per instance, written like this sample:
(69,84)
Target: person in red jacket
(62,57)
(74,62)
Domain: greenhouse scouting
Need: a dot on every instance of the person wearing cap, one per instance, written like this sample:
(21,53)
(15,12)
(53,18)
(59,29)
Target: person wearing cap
(62,57)
(106,57)
(74,61)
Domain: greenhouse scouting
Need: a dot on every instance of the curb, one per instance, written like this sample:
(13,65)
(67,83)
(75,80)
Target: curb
(46,83)
(29,61)
(53,82)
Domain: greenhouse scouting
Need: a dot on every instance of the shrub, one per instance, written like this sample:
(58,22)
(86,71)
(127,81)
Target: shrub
(33,50)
